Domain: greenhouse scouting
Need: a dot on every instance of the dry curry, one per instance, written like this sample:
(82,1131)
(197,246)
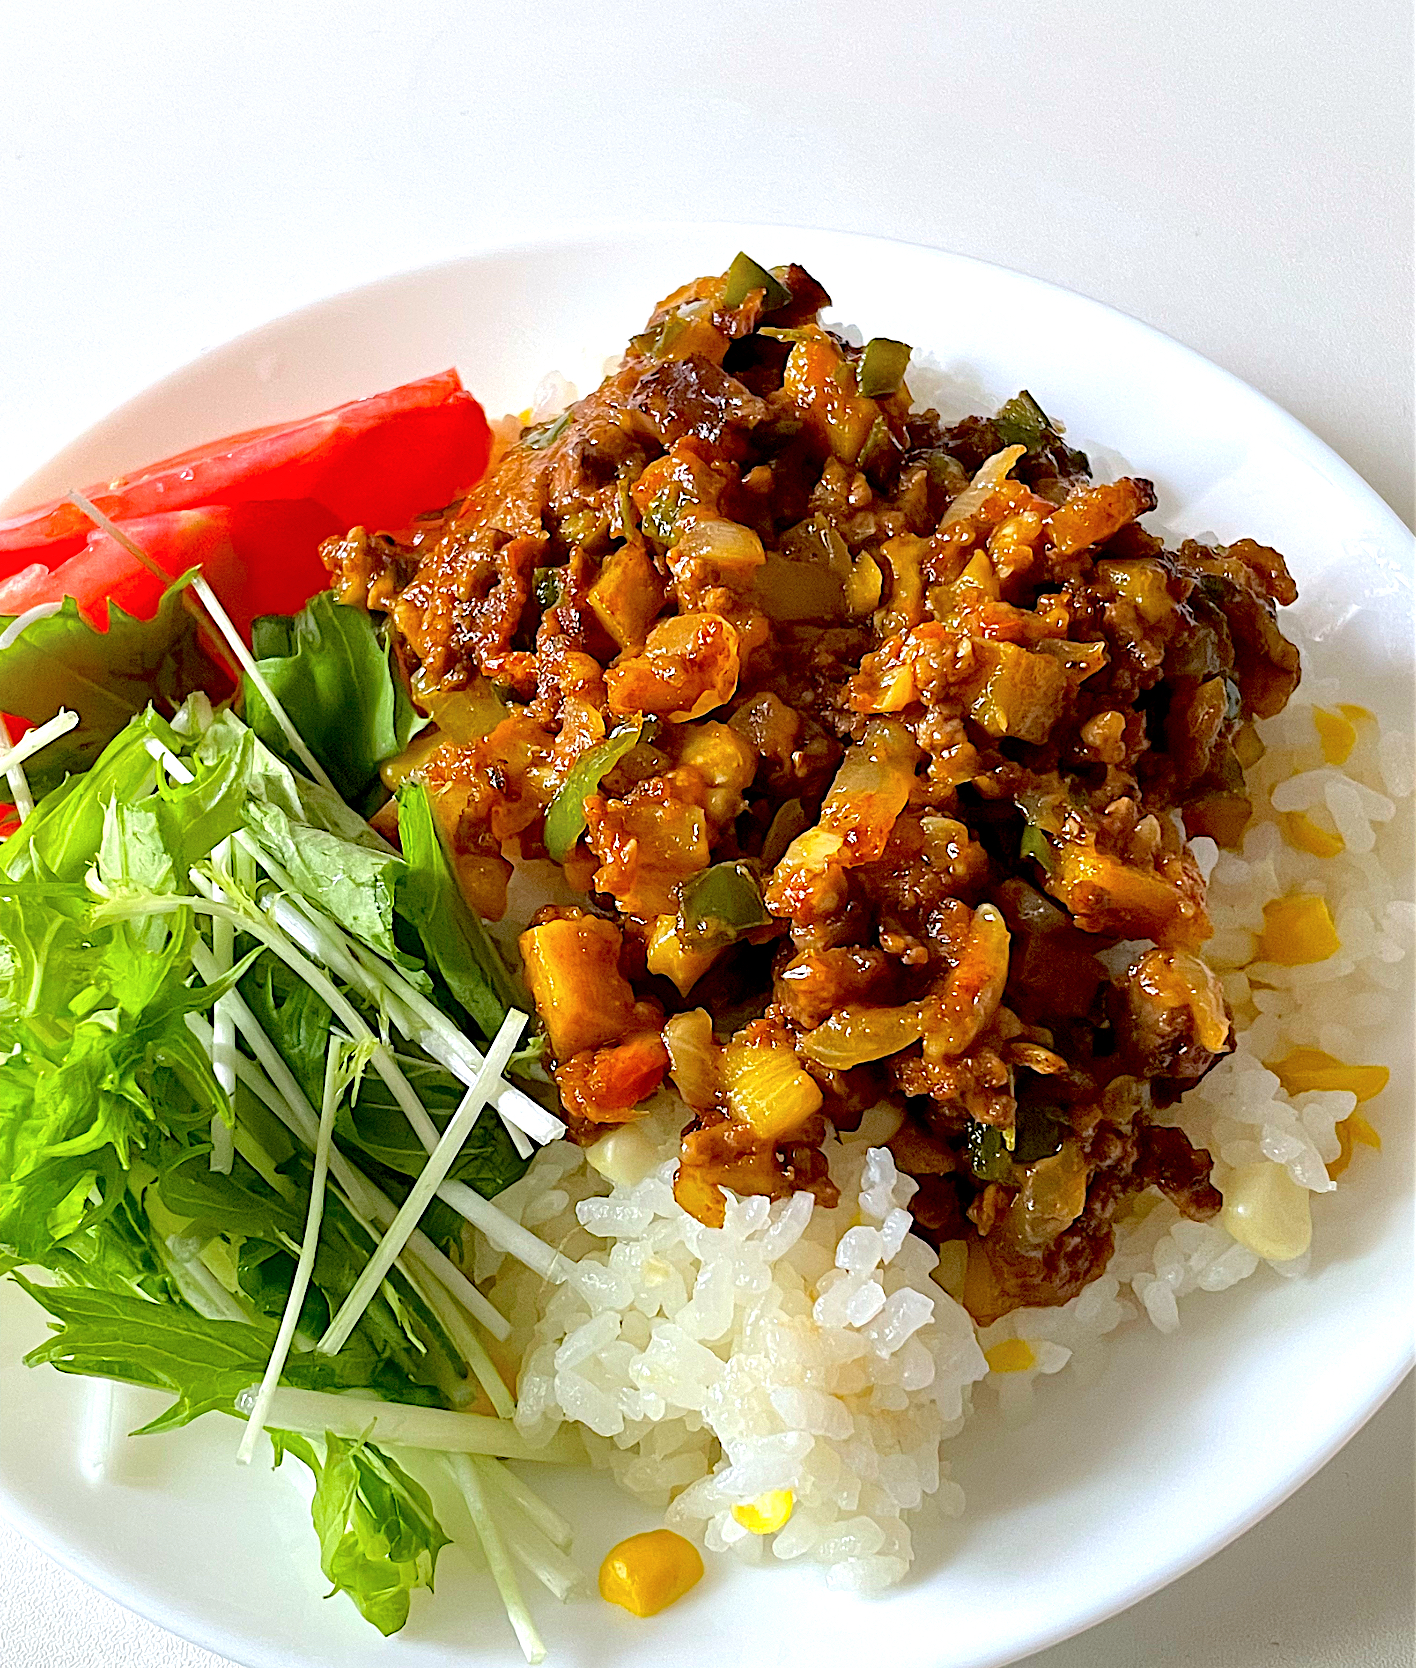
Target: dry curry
(863,741)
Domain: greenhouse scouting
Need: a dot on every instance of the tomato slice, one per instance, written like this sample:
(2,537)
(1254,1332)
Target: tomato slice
(376,462)
(259,558)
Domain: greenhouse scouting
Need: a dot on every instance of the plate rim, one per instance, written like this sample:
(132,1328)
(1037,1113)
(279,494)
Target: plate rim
(571,234)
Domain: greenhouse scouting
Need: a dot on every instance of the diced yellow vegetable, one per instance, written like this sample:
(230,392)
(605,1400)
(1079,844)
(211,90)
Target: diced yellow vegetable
(1268,1211)
(1015,692)
(725,761)
(667,955)
(483,877)
(857,1033)
(827,400)
(1053,1194)
(1356,716)
(1305,833)
(648,1572)
(693,1057)
(1011,1355)
(396,770)
(465,715)
(767,1514)
(572,969)
(624,1156)
(863,589)
(1352,1130)
(1336,735)
(628,595)
(768,1090)
(1297,931)
(1310,1068)
(1144,583)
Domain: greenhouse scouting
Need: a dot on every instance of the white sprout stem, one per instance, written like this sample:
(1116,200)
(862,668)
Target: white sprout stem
(495,1225)
(284,1096)
(410,1011)
(454,1322)
(522,1143)
(469,1480)
(223,1152)
(198,1285)
(247,663)
(420,1195)
(21,622)
(260,1161)
(275,1085)
(500,1230)
(546,1518)
(439,1037)
(400,1424)
(19,783)
(96,1431)
(325,941)
(561,1577)
(444,1287)
(295,1300)
(223,1028)
(222,621)
(12,760)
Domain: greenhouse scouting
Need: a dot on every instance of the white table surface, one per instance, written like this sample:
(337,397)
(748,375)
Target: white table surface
(1236,174)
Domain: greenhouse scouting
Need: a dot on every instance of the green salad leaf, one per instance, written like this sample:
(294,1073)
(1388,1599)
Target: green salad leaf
(374,1124)
(101,1059)
(61,837)
(205,1363)
(330,665)
(107,677)
(379,1536)
(432,900)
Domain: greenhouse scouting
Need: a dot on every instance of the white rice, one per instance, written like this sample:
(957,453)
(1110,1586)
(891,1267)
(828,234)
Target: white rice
(795,1348)
(817,1351)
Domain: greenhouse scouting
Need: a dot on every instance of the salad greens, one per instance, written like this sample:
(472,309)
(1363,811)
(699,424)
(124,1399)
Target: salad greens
(107,677)
(430,897)
(378,1536)
(200,1221)
(330,664)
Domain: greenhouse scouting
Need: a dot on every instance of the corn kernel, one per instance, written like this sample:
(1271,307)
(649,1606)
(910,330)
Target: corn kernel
(1302,831)
(1336,735)
(1012,1355)
(1310,1068)
(1268,1211)
(1358,717)
(1297,930)
(767,1514)
(648,1572)
(1354,1129)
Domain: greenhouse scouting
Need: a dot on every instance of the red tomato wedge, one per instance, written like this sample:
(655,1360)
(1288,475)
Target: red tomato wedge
(376,462)
(259,558)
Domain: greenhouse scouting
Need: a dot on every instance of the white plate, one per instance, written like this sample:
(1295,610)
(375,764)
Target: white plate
(1116,1487)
